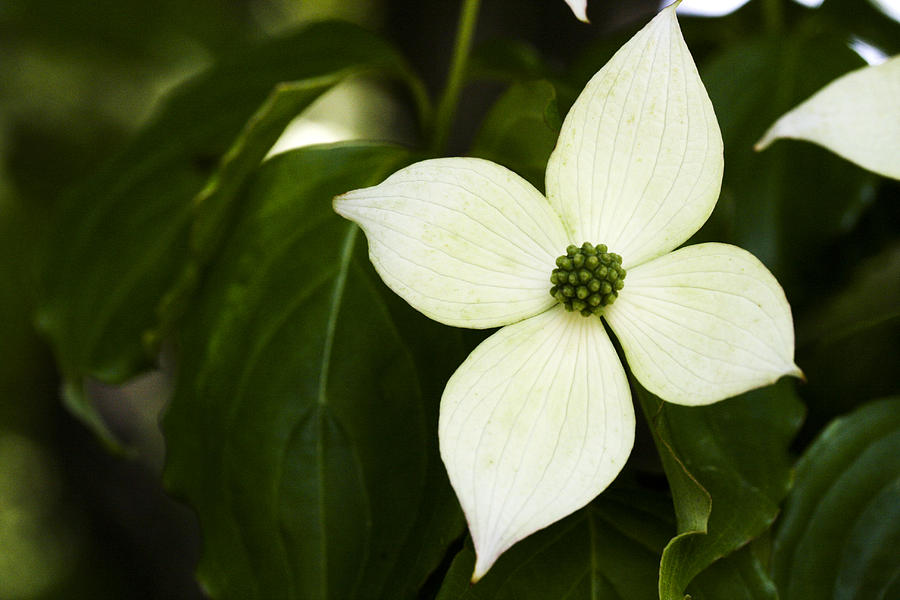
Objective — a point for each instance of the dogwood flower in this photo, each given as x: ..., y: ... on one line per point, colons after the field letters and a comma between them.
x: 538, y: 420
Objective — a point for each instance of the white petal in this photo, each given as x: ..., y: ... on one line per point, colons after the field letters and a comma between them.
x: 534, y: 424
x: 638, y: 164
x: 704, y: 323
x: 463, y: 240
x: 856, y: 116
x: 579, y: 7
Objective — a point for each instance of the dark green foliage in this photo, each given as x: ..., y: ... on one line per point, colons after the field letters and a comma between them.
x: 303, y: 428
x: 787, y: 203
x: 608, y: 550
x: 728, y: 468
x: 122, y: 237
x: 841, y: 527
x: 299, y: 429
x: 520, y: 130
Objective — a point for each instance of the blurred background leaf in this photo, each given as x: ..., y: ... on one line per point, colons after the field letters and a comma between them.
x: 119, y: 240
x: 508, y: 60
x: 849, y: 342
x: 520, y: 130
x: 214, y: 206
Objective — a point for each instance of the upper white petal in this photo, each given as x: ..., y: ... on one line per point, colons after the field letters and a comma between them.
x: 856, y: 116
x: 638, y: 164
x: 463, y: 240
x: 534, y: 424
x: 704, y: 323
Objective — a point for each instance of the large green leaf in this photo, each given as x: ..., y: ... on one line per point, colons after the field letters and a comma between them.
x: 608, y: 550
x: 299, y: 430
x: 841, y: 526
x: 788, y: 203
x: 520, y: 130
x: 728, y: 468
x: 118, y: 242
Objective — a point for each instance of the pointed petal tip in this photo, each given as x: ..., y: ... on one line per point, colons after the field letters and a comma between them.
x: 482, y: 566
x: 765, y: 141
x: 723, y: 325
x: 436, y: 228
x: 579, y: 9
x: 640, y: 200
x: 791, y: 370
x: 338, y: 201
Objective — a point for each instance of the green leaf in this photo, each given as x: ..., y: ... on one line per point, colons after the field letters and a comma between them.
x: 728, y: 469
x: 788, y: 203
x: 520, y: 130
x: 841, y: 525
x: 120, y: 240
x: 843, y: 339
x: 506, y: 60
x: 608, y: 550
x: 299, y: 430
x: 738, y: 576
x: 213, y: 205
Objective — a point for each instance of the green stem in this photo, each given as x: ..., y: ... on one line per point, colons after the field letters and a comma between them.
x: 446, y: 108
x: 773, y: 15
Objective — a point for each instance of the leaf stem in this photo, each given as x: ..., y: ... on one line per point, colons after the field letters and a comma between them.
x: 446, y: 108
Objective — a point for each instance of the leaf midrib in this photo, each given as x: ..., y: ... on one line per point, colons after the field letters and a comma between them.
x: 337, y: 297
x: 261, y: 342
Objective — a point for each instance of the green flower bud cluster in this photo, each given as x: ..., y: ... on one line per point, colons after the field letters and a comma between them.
x: 587, y: 278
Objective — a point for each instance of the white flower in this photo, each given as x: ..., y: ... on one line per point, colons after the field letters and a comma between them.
x: 856, y: 116
x: 538, y: 420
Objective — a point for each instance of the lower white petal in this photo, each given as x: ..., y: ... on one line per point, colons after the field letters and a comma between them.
x: 534, y: 424
x: 463, y: 240
x: 704, y: 323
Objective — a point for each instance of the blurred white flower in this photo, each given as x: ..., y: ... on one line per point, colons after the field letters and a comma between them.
x: 856, y: 116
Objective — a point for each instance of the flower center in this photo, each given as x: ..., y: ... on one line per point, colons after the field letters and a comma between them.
x: 587, y: 278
